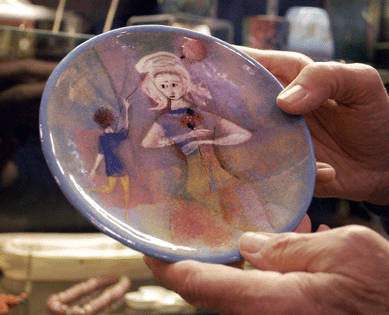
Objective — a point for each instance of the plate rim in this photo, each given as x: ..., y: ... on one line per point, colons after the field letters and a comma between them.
x: 83, y: 207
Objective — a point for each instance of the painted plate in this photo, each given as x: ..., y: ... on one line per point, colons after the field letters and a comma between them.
x: 171, y: 142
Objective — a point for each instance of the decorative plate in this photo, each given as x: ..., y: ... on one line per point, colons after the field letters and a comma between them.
x: 171, y: 142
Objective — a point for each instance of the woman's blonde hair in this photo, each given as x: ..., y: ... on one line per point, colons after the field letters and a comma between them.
x: 165, y: 62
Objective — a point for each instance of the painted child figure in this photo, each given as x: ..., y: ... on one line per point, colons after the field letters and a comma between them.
x: 109, y: 143
x: 195, y: 132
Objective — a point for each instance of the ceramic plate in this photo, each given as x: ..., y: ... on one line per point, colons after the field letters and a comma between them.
x: 171, y: 142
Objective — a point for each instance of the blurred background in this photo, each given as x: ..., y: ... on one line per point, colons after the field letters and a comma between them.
x: 35, y: 35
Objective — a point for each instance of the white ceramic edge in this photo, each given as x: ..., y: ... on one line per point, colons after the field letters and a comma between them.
x: 83, y: 207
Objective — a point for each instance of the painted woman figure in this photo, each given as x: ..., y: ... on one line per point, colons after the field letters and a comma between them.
x: 195, y: 131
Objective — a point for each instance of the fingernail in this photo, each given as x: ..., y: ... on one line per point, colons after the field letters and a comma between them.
x: 293, y: 94
x: 252, y: 242
x: 324, y: 172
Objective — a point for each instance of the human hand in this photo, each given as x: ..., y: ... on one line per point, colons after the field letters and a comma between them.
x: 340, y: 271
x: 346, y: 108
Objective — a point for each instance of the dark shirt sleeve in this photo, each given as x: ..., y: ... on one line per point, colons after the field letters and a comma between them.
x: 381, y: 211
x: 122, y: 134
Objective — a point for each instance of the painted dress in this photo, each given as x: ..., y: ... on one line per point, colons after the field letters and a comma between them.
x: 207, y: 182
x: 109, y: 143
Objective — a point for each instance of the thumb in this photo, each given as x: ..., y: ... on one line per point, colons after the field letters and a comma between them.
x: 320, y: 81
x: 288, y: 252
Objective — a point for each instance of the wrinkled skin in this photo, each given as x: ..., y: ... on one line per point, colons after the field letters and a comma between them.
x: 339, y: 271
x: 346, y: 108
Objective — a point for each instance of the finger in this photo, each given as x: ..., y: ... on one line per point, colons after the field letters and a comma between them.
x: 323, y: 227
x: 233, y: 291
x: 277, y: 61
x: 228, y: 290
x: 195, y: 275
x: 324, y: 172
x: 305, y: 225
x: 321, y: 81
x: 315, y: 252
x: 263, y: 250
